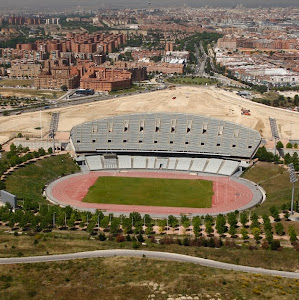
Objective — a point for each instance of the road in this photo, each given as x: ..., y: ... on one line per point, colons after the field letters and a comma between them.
x: 81, y: 100
x: 201, y: 61
x: 149, y: 254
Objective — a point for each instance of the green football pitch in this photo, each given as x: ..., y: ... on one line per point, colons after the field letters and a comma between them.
x: 151, y: 191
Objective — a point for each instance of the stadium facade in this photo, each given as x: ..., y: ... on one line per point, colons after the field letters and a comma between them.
x: 172, y: 141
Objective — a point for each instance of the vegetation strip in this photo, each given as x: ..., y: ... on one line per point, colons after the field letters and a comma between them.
x: 152, y: 254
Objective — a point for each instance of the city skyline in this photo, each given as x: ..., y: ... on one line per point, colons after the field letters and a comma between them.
x: 23, y: 4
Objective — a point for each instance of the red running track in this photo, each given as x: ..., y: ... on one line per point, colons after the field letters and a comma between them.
x: 228, y: 195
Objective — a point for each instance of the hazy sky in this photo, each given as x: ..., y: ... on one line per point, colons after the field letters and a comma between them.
x: 141, y: 3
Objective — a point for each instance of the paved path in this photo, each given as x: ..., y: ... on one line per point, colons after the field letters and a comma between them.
x: 151, y: 254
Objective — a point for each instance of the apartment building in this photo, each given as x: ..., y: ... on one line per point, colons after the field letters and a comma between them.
x: 104, y: 79
x: 25, y: 70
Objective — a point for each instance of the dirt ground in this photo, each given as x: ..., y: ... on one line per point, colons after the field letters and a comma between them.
x: 208, y: 101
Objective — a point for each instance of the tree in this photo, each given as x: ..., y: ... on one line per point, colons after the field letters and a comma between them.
x: 138, y: 227
x: 244, y: 233
x: 50, y: 150
x: 274, y: 212
x: 267, y: 223
x: 289, y: 145
x: 292, y: 234
x: 41, y: 151
x: 104, y: 222
x: 220, y: 224
x: 256, y: 233
x: 279, y: 145
x: 90, y: 227
x: 162, y: 223
x: 269, y: 236
x: 254, y: 221
x: 114, y: 227
x: 172, y: 221
x: 185, y: 221
x: 232, y: 219
x: 2, y: 185
x: 263, y: 155
x: 209, y: 228
x: 64, y: 88
x: 232, y: 231
x: 149, y: 229
x: 196, y: 221
x: 135, y: 216
x: 279, y: 228
x: 127, y: 225
x: 147, y: 219
x: 287, y: 215
x: 295, y: 146
x: 243, y: 218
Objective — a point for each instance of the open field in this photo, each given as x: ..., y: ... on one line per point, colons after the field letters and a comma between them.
x: 192, y: 80
x: 137, y: 278
x: 151, y: 191
x: 133, y: 89
x: 16, y: 82
x: 208, y: 101
x: 28, y: 182
x: 58, y: 242
x: 30, y: 93
x: 276, y: 182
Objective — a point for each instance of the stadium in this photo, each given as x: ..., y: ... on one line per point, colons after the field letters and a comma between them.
x: 161, y: 146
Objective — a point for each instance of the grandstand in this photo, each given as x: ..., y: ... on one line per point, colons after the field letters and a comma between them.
x: 202, y: 165
x: 164, y: 141
x: 165, y: 133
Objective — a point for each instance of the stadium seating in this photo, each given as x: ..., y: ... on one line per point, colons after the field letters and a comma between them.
x: 229, y: 167
x: 94, y: 162
x: 161, y: 163
x: 213, y: 165
x: 204, y: 165
x: 172, y: 161
x: 183, y: 163
x: 139, y: 162
x: 198, y: 164
x: 151, y: 162
x: 124, y: 162
x: 165, y: 133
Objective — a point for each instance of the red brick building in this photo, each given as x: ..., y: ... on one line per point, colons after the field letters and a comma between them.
x: 53, y: 77
x: 103, y: 79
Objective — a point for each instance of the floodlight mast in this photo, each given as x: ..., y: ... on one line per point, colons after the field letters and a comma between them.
x: 293, y: 179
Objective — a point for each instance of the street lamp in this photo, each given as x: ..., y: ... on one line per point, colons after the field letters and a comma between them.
x: 54, y: 219
x: 293, y: 179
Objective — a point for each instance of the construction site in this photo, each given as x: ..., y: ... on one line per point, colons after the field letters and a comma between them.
x: 40, y: 127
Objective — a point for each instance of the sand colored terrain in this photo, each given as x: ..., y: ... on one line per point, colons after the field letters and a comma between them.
x: 208, y: 101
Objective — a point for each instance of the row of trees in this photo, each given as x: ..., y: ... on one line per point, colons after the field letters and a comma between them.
x: 18, y: 155
x: 289, y: 145
x: 36, y: 217
x: 263, y: 155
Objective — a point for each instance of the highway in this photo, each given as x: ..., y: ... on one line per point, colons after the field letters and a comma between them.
x: 149, y: 254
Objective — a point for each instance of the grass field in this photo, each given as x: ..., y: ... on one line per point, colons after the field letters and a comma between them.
x: 151, y: 191
x: 192, y: 80
x: 30, y: 93
x: 28, y: 182
x: 276, y: 182
x: 119, y: 278
x: 16, y: 82
x: 132, y: 89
